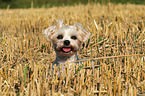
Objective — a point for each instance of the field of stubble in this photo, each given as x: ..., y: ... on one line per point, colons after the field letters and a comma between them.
x: 117, y: 42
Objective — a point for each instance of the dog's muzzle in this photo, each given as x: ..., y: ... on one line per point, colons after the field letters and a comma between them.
x: 66, y: 42
x: 67, y: 48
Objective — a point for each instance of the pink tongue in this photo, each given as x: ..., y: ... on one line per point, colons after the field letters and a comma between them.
x: 66, y: 49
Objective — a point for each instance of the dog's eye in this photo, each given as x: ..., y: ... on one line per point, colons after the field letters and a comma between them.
x: 59, y: 37
x: 73, y: 37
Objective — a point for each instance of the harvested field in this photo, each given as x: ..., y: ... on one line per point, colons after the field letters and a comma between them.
x: 117, y: 42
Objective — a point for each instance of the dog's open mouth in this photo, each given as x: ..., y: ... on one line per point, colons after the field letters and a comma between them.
x: 67, y: 49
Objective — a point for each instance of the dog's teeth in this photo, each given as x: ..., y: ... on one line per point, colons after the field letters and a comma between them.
x: 66, y: 49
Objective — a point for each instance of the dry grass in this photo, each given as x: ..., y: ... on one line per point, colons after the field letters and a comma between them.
x: 118, y: 42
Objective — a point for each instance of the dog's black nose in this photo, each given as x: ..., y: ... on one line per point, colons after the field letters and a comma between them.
x: 66, y: 42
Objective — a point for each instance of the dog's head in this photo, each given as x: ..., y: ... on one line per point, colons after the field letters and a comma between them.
x: 66, y: 39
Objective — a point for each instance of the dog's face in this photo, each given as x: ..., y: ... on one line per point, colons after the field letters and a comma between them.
x: 66, y: 39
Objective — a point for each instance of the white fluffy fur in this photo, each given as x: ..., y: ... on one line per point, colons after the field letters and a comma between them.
x: 67, y: 31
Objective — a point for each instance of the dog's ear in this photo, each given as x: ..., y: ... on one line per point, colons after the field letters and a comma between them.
x: 47, y: 32
x: 50, y: 30
x: 84, y: 33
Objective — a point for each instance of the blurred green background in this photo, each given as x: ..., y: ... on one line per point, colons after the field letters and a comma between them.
x: 51, y: 3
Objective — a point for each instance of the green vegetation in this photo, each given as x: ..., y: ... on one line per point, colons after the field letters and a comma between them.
x: 50, y: 3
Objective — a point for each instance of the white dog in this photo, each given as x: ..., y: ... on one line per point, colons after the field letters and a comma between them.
x: 66, y: 40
